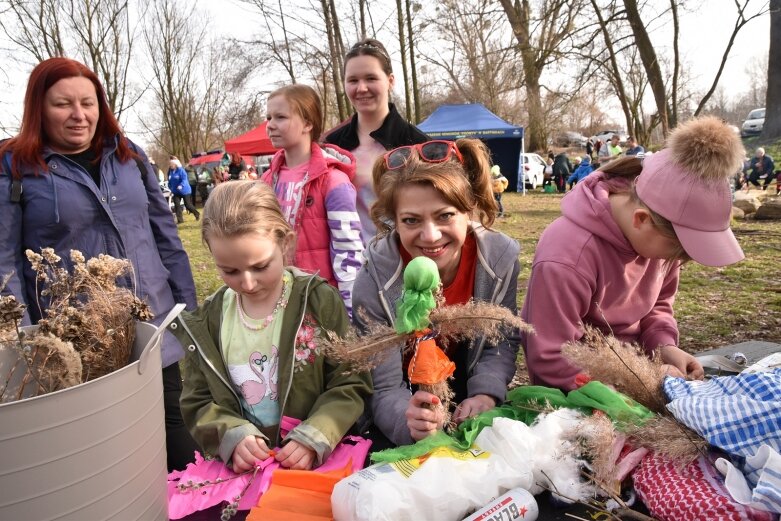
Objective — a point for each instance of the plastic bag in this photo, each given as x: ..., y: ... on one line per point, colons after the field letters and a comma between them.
x: 449, y: 484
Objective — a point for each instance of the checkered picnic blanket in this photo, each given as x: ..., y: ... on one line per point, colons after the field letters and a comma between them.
x: 737, y: 414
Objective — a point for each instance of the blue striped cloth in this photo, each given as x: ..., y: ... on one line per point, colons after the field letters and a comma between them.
x: 759, y: 484
x: 737, y: 414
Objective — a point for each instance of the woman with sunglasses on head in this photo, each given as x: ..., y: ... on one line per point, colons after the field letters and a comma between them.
x: 435, y: 200
x: 376, y: 127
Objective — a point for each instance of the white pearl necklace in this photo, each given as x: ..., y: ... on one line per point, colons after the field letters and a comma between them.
x: 281, y: 303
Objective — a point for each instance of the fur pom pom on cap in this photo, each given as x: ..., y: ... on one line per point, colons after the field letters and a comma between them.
x: 687, y: 183
x: 707, y: 148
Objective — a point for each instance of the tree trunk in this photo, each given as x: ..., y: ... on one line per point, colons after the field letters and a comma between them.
x: 614, y: 71
x: 535, y: 129
x: 651, y: 64
x: 338, y: 61
x: 413, y: 71
x: 403, y: 45
x: 288, y: 58
x: 676, y: 63
x: 362, y: 9
x: 554, y: 25
x: 336, y: 73
x: 772, y: 127
x: 519, y: 16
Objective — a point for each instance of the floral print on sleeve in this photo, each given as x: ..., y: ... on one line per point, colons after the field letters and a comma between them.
x: 306, y: 344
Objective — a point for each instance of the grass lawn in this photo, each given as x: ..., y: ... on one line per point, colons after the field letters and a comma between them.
x: 714, y: 307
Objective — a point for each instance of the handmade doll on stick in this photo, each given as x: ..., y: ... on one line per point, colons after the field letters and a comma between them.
x: 420, y: 321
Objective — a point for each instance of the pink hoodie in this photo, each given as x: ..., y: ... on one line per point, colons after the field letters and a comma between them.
x: 586, y: 272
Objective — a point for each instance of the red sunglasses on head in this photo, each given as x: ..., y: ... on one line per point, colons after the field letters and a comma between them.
x: 430, y: 152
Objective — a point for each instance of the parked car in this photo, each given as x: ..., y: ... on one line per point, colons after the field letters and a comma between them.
x: 570, y: 139
x: 605, y: 136
x: 754, y: 123
x: 533, y: 167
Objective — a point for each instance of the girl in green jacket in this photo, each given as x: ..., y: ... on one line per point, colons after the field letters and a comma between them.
x: 253, y: 348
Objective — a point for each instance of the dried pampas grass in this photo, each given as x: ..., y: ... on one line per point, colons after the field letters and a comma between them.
x: 446, y: 395
x: 665, y: 436
x: 627, y: 368
x: 596, y: 435
x: 473, y: 319
x: 377, y: 340
x: 624, y: 366
x: 367, y: 351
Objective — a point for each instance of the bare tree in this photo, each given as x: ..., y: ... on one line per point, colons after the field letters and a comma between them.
x: 626, y: 30
x: 741, y: 20
x: 96, y: 32
x: 403, y: 46
x: 199, y: 84
x: 618, y: 62
x: 650, y: 61
x: 294, y: 36
x: 411, y: 50
x: 542, y: 39
x: 772, y: 127
x: 35, y: 27
x: 477, y: 52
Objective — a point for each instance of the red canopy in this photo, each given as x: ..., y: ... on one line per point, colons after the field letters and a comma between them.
x: 208, y: 158
x: 253, y: 143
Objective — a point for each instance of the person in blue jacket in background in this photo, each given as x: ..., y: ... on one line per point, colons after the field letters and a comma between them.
x: 581, y: 171
x: 180, y: 187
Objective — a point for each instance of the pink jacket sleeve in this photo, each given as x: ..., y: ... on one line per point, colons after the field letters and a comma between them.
x: 556, y: 300
x: 659, y: 327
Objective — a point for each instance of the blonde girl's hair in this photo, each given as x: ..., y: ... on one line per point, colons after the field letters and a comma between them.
x: 620, y: 175
x: 467, y: 186
x: 242, y: 207
x: 305, y: 101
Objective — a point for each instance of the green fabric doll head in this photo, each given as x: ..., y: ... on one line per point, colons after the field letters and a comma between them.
x: 421, y: 279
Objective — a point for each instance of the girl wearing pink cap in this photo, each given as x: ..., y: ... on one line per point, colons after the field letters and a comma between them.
x: 612, y: 260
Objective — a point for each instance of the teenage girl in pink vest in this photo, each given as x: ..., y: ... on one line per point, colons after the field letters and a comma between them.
x: 313, y: 184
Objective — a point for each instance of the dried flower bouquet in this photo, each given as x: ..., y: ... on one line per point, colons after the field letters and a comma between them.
x: 87, y: 329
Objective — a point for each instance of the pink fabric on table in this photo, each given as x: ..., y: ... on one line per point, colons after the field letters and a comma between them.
x: 181, y: 504
x: 693, y: 493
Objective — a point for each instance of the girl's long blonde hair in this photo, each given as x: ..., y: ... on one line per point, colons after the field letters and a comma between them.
x: 240, y: 207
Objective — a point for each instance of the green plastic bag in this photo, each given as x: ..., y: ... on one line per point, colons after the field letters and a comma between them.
x: 549, y: 189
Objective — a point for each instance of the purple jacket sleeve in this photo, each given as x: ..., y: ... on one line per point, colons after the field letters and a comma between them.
x: 345, y: 227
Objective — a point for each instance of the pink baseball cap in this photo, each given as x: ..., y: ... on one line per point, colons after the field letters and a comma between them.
x: 699, y: 207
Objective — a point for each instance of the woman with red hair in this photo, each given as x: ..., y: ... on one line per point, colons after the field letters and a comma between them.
x: 71, y: 180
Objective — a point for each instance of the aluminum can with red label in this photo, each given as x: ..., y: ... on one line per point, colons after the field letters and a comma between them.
x: 516, y: 504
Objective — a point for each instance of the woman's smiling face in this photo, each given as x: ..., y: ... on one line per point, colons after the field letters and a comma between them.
x: 428, y: 225
x: 366, y: 84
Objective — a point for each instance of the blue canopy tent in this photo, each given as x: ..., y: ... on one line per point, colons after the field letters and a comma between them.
x: 473, y: 120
